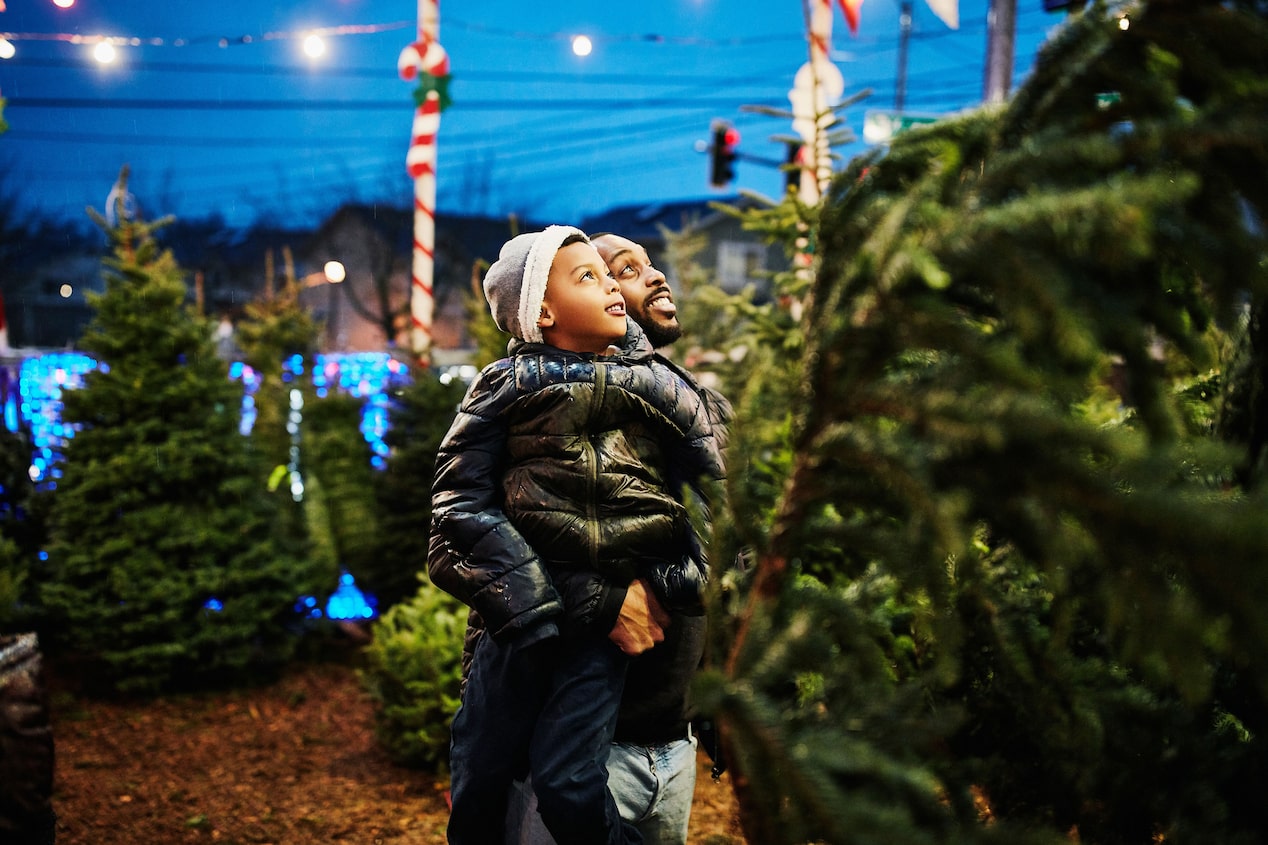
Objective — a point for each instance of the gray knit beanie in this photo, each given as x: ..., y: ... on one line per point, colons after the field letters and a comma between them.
x: 515, y: 284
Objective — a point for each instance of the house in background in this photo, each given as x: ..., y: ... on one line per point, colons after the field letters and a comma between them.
x: 47, y: 306
x: 370, y: 308
x: 226, y: 268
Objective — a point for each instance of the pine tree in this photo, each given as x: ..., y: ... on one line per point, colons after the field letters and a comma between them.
x: 22, y: 533
x: 278, y: 339
x: 163, y: 569
x: 339, y: 489
x: 1041, y: 603
x: 420, y: 415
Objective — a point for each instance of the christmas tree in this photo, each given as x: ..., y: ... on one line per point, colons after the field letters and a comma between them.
x: 278, y: 339
x: 420, y: 414
x: 1012, y: 585
x: 163, y: 567
x: 339, y: 489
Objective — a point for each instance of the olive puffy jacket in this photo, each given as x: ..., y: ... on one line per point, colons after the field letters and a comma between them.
x: 560, y: 481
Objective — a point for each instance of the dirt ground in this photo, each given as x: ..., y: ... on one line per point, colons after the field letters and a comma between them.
x: 294, y: 762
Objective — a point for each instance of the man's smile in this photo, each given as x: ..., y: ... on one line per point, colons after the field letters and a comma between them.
x: 662, y: 302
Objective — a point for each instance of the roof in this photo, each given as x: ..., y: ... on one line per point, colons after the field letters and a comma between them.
x: 479, y: 237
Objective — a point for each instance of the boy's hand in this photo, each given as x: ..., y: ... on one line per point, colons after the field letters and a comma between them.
x: 642, y: 621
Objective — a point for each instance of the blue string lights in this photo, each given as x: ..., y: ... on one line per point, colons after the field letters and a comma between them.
x: 36, y: 406
x: 41, y: 382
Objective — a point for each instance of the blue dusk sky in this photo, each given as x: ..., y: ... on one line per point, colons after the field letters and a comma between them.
x: 218, y: 111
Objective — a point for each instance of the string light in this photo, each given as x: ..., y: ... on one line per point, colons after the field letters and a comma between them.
x: 369, y: 376
x: 368, y: 29
x: 219, y: 40
x: 104, y: 52
x: 314, y: 46
x: 334, y: 272
x: 582, y: 46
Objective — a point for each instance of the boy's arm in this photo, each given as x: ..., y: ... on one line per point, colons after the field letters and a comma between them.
x: 475, y: 553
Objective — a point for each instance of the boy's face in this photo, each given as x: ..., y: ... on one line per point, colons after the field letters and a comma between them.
x: 583, y: 310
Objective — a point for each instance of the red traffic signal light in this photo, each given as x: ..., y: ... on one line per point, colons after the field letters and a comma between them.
x: 722, y: 154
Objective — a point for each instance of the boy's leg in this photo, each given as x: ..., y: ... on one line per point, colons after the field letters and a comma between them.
x: 491, y: 733
x: 570, y: 747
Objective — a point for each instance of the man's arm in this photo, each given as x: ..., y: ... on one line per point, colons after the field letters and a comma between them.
x: 642, y: 621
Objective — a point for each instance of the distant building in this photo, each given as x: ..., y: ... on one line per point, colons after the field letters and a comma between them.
x: 374, y: 243
x: 227, y: 269
x: 47, y: 307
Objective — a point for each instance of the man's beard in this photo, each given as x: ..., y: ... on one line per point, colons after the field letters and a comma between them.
x: 661, y: 334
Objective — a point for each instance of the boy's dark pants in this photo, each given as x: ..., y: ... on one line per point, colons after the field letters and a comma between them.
x: 548, y: 708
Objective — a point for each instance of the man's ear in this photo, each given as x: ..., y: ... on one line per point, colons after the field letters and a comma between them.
x: 546, y: 319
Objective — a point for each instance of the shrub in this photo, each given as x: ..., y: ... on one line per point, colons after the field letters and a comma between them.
x: 413, y: 675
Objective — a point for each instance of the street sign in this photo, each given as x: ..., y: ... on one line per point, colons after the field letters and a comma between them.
x: 880, y: 126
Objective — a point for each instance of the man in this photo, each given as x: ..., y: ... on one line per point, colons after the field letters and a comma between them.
x: 652, y: 762
x: 648, y: 299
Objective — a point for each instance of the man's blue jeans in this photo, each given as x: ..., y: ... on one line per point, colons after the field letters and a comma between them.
x: 653, y: 786
x: 547, y: 709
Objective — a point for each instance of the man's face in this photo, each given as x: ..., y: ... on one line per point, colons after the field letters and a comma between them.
x: 648, y: 299
x: 582, y: 310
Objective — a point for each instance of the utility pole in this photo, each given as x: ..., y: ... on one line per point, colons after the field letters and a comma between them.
x: 1001, y: 27
x: 904, y: 36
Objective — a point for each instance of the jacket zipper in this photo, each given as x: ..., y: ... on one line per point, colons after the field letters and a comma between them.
x: 592, y: 493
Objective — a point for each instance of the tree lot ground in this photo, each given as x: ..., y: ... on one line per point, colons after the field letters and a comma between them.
x: 292, y: 762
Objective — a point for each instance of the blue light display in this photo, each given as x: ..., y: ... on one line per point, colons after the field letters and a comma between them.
x: 348, y: 602
x: 42, y: 380
x: 371, y: 376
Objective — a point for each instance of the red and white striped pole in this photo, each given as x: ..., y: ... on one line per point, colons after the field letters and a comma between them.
x: 426, y: 57
x: 816, y: 82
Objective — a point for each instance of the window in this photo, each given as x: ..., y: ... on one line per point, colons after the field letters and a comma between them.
x: 740, y: 265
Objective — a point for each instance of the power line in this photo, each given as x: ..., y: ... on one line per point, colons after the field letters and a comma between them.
x: 387, y: 74
x: 149, y: 139
x: 567, y: 104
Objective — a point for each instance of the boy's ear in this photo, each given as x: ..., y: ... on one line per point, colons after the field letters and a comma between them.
x: 546, y: 319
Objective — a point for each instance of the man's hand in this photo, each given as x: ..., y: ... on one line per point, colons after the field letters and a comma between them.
x: 642, y: 621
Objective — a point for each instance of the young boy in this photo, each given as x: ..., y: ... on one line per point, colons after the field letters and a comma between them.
x: 556, y: 503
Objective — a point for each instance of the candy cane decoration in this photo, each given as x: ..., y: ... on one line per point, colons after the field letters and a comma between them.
x: 817, y: 82
x: 426, y: 60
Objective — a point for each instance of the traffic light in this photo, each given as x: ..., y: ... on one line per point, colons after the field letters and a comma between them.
x: 722, y: 154
x: 793, y: 166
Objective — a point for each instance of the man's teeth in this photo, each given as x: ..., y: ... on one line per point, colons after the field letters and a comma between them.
x: 663, y: 304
